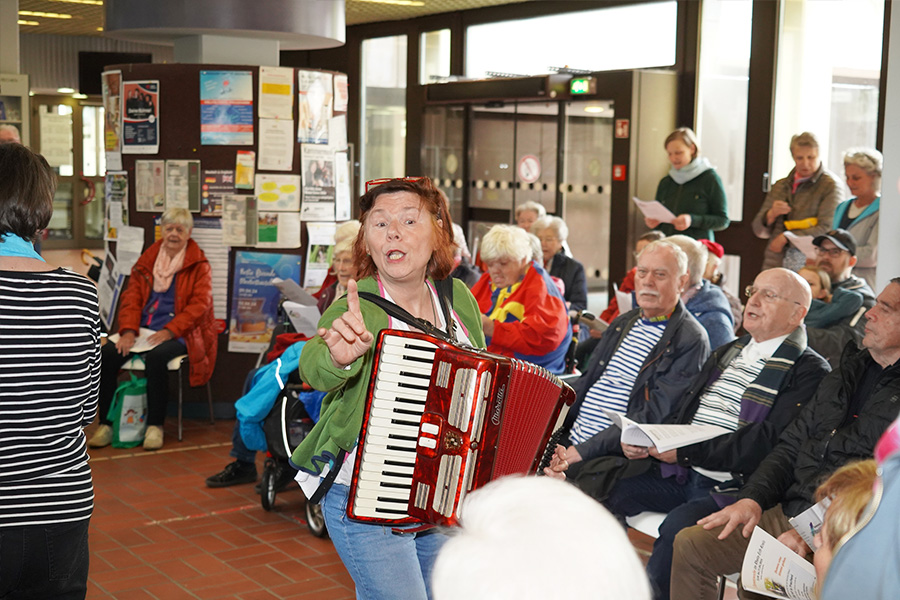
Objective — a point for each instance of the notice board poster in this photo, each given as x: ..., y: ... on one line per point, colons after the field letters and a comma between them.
x: 140, y: 128
x: 226, y: 108
x: 254, y: 298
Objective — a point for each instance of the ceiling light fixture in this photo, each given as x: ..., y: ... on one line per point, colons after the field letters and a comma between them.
x: 65, y: 90
x: 396, y: 2
x: 79, y: 96
x: 46, y: 15
x: 91, y: 2
x: 594, y: 109
x: 21, y: 22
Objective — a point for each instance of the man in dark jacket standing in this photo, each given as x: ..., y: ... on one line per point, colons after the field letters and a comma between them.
x: 853, y: 406
x: 754, y: 387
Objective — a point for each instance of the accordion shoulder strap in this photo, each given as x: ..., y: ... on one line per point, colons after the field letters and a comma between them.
x: 326, y: 482
x: 421, y: 324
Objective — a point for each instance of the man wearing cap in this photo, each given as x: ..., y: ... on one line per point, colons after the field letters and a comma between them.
x: 836, y: 255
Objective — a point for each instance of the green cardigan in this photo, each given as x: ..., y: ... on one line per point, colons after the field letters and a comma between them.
x: 341, y: 416
x: 703, y: 197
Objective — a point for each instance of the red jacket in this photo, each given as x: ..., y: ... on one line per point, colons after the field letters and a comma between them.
x: 194, y: 320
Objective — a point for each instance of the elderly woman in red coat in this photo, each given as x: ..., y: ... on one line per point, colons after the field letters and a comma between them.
x: 168, y: 303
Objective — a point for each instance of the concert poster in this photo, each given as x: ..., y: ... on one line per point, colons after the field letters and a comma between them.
x: 140, y: 129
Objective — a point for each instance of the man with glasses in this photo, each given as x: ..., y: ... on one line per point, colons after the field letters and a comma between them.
x: 753, y: 387
x: 643, y: 365
x: 852, y: 407
x: 836, y: 255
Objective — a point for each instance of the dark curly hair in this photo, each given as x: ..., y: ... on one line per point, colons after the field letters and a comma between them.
x: 27, y: 185
x: 433, y: 201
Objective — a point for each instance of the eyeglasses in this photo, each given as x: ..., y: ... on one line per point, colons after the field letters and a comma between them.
x: 832, y: 252
x: 767, y: 295
x: 377, y: 182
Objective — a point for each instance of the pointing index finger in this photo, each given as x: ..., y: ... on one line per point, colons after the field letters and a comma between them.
x: 353, y: 298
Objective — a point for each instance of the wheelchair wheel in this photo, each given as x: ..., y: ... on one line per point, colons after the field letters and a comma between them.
x: 315, y: 520
x: 267, y: 489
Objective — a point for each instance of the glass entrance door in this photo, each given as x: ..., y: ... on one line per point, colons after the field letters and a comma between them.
x: 69, y: 133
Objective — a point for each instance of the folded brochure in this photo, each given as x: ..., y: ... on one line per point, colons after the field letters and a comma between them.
x: 664, y: 437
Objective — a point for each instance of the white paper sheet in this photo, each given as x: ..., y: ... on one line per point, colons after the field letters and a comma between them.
x: 653, y: 209
x: 278, y: 192
x: 141, y: 344
x: 278, y: 230
x: 772, y: 569
x: 623, y: 299
x: 803, y: 243
x: 664, y: 437
x: 276, y: 145
x: 276, y: 93
x: 129, y: 247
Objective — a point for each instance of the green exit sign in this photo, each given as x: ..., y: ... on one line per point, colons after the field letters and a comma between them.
x: 583, y: 85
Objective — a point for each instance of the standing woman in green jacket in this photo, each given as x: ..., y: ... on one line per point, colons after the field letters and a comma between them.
x: 692, y: 190
x: 404, y: 244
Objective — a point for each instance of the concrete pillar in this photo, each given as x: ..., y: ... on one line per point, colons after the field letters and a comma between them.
x: 9, y: 36
x: 888, y: 238
x: 218, y: 49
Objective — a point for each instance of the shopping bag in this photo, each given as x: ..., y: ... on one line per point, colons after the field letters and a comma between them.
x: 128, y: 413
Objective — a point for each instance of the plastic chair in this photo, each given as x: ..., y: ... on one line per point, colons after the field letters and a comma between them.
x: 136, y: 363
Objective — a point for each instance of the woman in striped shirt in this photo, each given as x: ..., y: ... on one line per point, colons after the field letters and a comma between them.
x: 49, y: 384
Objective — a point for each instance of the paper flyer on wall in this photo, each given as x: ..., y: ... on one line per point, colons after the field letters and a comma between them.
x: 245, y: 169
x: 226, y: 108
x: 140, y: 123
x: 208, y: 235
x: 278, y: 230
x: 319, y: 253
x: 276, y: 145
x: 129, y: 245
x: 278, y: 192
x: 150, y: 185
x: 337, y: 133
x: 317, y: 164
x: 254, y: 304
x: 772, y: 569
x: 109, y: 286
x: 239, y: 220
x: 183, y: 184
x: 342, y: 192
x: 664, y: 437
x: 341, y: 93
x: 111, y: 82
x: 216, y: 184
x: 115, y: 191
x: 276, y: 93
x: 314, y: 106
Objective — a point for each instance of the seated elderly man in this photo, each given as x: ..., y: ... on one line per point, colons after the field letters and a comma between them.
x: 851, y: 408
x: 836, y: 255
x: 523, y: 312
x: 705, y: 301
x: 644, y: 363
x: 753, y: 387
x: 552, y: 233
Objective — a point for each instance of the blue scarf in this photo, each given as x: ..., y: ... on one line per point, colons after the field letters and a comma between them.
x: 693, y: 169
x: 13, y: 245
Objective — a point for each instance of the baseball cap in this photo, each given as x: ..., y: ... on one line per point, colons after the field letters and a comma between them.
x: 841, y: 238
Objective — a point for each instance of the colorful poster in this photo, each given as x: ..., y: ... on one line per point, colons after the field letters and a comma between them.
x: 109, y: 286
x: 244, y: 170
x: 314, y: 106
x: 226, y: 108
x: 278, y: 230
x: 320, y: 237
x: 278, y: 192
x: 112, y: 113
x: 254, y: 298
x: 318, y: 183
x: 140, y: 129
x: 183, y: 184
x: 276, y: 93
x: 116, y: 207
x: 150, y: 185
x: 342, y: 189
x: 217, y: 183
x: 341, y: 93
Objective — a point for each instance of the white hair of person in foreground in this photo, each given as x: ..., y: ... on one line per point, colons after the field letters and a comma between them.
x: 513, y: 532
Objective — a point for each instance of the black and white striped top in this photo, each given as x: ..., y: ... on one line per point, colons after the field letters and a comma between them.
x: 49, y: 387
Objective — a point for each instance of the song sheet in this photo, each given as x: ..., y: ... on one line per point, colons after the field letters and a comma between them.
x: 653, y: 209
x: 772, y: 569
x: 664, y: 437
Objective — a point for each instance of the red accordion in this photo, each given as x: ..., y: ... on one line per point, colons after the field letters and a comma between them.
x: 442, y: 420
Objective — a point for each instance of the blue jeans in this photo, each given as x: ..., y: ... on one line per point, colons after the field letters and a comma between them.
x: 44, y: 561
x: 685, y: 503
x: 239, y: 449
x: 384, y: 565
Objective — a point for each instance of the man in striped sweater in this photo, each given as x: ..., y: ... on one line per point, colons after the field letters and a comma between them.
x: 753, y: 387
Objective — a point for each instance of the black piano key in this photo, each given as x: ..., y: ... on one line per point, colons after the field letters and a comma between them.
x: 410, y: 401
x: 426, y: 361
x: 395, y: 474
x: 412, y: 386
x: 403, y: 411
x: 394, y: 500
x: 389, y: 511
x: 400, y: 449
x: 399, y: 486
x: 399, y: 463
x: 406, y: 423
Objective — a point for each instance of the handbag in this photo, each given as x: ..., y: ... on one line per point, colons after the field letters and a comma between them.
x: 128, y: 413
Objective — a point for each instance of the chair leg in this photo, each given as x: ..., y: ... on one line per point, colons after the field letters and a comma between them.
x: 721, y: 583
x: 212, y: 414
x: 180, y: 400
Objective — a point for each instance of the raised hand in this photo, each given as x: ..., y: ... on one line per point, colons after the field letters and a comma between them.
x: 348, y: 338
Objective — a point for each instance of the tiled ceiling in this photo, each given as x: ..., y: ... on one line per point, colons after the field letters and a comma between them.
x: 87, y: 16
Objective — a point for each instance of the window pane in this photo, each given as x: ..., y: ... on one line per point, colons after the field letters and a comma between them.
x: 722, y: 97
x: 434, y: 56
x: 383, y: 90
x: 56, y: 137
x: 626, y: 37
x: 829, y: 68
x: 92, y: 145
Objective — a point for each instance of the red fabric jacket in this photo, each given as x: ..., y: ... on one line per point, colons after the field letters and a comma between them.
x: 194, y: 320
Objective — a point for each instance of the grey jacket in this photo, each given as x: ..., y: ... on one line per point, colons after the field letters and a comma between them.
x: 865, y: 231
x: 664, y: 377
x: 816, y: 197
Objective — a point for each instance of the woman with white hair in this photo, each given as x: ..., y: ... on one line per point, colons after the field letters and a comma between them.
x: 553, y: 232
x: 859, y: 215
x: 523, y: 312
x: 529, y: 212
x: 341, y: 263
